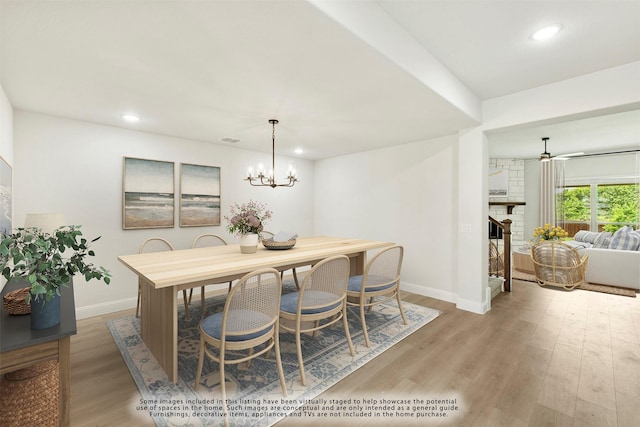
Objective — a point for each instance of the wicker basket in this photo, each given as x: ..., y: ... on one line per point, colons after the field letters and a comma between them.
x: 270, y: 244
x: 14, y: 302
x: 31, y: 396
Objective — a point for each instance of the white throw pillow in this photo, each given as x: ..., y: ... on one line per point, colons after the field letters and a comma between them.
x: 603, y: 240
x: 625, y: 239
x: 586, y: 236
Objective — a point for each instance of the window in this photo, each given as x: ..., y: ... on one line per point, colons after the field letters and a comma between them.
x: 615, y: 205
x: 577, y: 209
x: 618, y: 206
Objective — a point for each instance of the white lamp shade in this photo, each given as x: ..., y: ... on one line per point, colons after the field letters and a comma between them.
x: 47, y: 222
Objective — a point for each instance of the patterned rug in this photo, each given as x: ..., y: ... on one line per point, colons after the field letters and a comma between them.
x: 254, y: 393
x: 519, y: 275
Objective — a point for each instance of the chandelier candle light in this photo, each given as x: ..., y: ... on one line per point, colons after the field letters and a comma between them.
x: 261, y: 180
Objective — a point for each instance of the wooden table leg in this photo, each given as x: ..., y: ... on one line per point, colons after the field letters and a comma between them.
x: 358, y: 263
x: 159, y: 326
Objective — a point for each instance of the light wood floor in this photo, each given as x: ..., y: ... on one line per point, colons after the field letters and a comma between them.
x: 540, y: 357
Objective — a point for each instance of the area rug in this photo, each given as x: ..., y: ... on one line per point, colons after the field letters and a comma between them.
x: 519, y: 275
x: 254, y: 393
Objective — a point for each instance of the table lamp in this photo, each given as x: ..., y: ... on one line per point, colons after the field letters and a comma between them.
x: 47, y: 222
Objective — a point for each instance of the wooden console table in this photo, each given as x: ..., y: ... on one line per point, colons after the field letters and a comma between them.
x: 21, y: 346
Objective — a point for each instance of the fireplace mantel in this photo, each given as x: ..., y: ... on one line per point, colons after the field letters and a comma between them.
x: 509, y: 205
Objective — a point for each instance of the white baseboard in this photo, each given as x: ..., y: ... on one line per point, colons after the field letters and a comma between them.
x: 105, y: 308
x: 123, y: 304
x: 429, y: 292
x: 473, y: 306
x: 462, y: 304
x: 128, y: 303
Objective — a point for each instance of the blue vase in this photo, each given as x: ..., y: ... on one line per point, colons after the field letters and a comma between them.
x: 45, y: 314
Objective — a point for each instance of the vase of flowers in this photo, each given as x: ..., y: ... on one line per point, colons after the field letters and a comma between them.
x: 547, y: 232
x: 247, y: 220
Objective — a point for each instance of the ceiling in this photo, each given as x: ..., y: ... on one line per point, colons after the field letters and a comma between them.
x: 210, y: 70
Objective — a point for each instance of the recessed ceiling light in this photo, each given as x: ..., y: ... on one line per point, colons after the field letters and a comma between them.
x: 546, y: 32
x: 131, y: 118
x: 231, y: 140
x: 298, y: 151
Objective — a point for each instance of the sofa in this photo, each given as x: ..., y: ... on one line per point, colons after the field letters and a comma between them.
x: 614, y: 260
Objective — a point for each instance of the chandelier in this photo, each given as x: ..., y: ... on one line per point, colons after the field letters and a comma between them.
x: 262, y: 180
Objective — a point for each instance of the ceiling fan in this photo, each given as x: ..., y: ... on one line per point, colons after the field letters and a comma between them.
x: 547, y: 156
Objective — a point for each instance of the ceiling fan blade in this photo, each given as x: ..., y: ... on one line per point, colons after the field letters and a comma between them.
x: 569, y: 155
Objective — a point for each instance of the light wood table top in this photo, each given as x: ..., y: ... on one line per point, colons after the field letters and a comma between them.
x: 202, y: 265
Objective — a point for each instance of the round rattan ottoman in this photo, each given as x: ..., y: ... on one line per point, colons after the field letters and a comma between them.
x: 30, y: 396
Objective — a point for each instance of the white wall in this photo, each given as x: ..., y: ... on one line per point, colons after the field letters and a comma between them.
x: 6, y: 128
x: 566, y: 100
x: 404, y: 194
x: 74, y: 167
x: 472, y: 231
x: 6, y: 138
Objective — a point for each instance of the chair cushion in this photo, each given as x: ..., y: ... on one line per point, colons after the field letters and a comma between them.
x: 212, y: 325
x: 625, y: 239
x: 289, y: 302
x: 355, y: 283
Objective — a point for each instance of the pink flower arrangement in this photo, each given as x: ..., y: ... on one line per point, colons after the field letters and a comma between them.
x: 247, y: 218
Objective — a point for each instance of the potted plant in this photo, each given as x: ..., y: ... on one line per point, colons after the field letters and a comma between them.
x: 47, y: 261
x: 247, y: 220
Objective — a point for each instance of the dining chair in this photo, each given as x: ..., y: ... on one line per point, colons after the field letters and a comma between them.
x: 322, y: 297
x: 156, y: 244
x: 379, y: 283
x: 558, y: 264
x: 265, y: 235
x: 205, y: 241
x: 250, y: 319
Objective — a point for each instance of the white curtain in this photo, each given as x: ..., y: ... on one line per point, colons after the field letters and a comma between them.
x: 552, y: 184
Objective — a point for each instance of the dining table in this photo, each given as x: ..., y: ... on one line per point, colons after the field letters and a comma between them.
x: 162, y: 275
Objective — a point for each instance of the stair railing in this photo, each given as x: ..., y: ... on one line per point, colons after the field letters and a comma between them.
x: 500, y: 231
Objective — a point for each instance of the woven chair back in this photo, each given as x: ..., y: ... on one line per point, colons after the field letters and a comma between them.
x: 207, y: 241
x: 253, y: 303
x: 155, y: 244
x: 386, y: 263
x: 326, y: 283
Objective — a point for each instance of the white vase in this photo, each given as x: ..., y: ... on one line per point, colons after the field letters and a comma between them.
x: 249, y: 243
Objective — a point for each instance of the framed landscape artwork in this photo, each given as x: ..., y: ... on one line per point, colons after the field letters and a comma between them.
x: 148, y: 194
x: 6, y: 196
x: 199, y: 195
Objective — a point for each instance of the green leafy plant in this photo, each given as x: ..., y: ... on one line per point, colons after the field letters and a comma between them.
x: 48, y: 261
